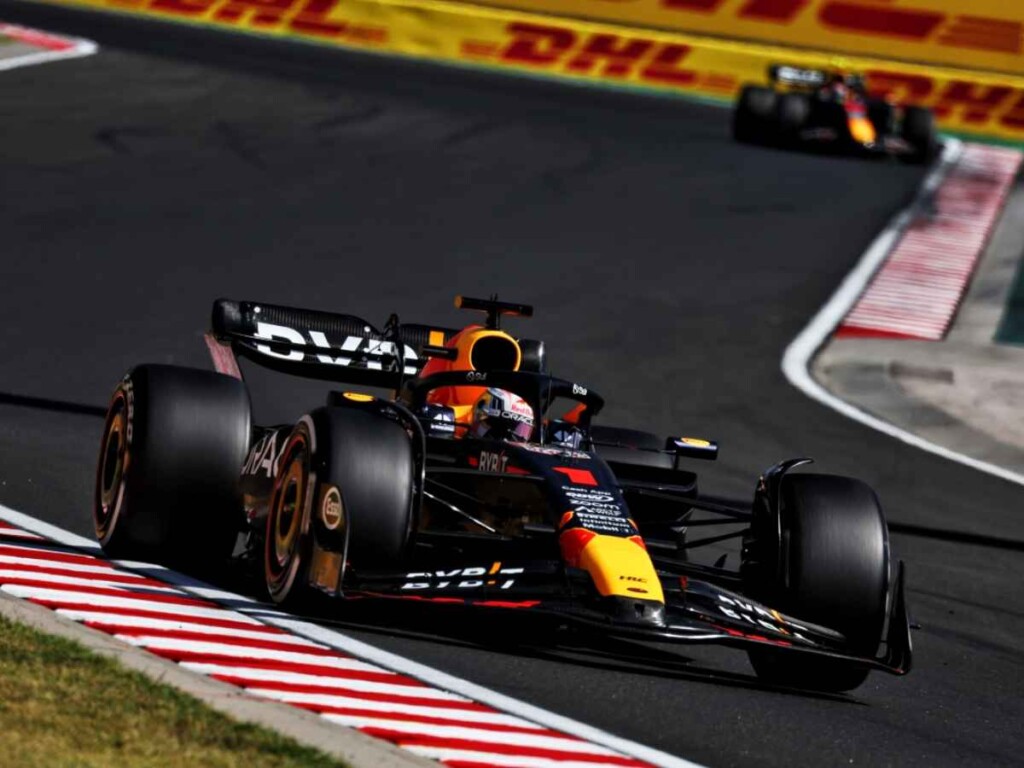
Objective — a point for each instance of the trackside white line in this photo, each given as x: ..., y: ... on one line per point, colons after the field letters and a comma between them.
x: 483, y: 695
x: 52, y: 532
x: 396, y: 663
x: 84, y: 48
x: 797, y: 358
x: 46, y: 547
x: 13, y: 533
x: 545, y: 741
x: 446, y: 754
x: 79, y: 48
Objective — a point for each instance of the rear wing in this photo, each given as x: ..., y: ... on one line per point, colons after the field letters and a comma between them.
x: 334, y: 347
x: 798, y: 77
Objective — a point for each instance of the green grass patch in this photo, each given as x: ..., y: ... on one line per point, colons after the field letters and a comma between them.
x: 62, y: 705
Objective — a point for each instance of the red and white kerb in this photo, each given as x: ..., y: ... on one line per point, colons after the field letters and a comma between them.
x: 916, y: 293
x: 270, y: 662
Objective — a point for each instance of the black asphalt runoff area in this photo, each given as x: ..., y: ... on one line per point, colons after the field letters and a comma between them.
x: 669, y: 268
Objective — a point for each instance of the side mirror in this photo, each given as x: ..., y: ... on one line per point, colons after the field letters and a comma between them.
x: 692, y: 448
x: 445, y: 353
x: 437, y: 420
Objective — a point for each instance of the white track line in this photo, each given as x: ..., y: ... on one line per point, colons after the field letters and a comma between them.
x: 10, y: 532
x: 77, y: 48
x: 797, y: 358
x: 484, y: 695
x: 517, y: 710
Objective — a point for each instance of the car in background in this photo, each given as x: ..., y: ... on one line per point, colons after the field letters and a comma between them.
x: 832, y: 109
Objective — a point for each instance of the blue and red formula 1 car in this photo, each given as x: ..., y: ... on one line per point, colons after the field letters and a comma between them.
x: 833, y: 110
x: 482, y: 480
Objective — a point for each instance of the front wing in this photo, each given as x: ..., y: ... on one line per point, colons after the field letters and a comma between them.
x: 886, y: 145
x: 696, y: 611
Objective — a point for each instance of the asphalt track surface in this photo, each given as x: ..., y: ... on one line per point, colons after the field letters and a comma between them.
x: 669, y: 268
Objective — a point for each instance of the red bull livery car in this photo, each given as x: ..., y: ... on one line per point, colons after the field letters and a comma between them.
x: 831, y: 109
x: 482, y: 480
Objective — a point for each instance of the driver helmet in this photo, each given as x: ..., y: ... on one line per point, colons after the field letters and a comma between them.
x: 502, y: 415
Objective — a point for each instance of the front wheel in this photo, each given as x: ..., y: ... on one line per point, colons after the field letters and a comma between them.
x: 792, y: 115
x: 834, y: 562
x: 918, y: 130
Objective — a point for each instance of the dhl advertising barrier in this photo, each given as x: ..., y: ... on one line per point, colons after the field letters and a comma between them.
x: 972, y: 34
x: 590, y: 52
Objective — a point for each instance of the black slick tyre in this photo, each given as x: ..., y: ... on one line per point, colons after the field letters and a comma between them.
x: 753, y: 119
x: 882, y: 116
x: 918, y: 130
x: 287, y: 542
x: 835, y: 572
x: 367, y: 461
x: 174, y: 442
x: 793, y: 110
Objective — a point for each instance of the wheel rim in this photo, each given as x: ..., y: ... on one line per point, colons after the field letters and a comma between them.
x: 111, y: 473
x: 288, y: 514
x: 283, y: 549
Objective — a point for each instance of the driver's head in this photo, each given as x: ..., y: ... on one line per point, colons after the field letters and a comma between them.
x: 502, y: 415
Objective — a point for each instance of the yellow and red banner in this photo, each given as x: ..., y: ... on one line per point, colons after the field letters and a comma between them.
x: 973, y: 34
x: 589, y: 52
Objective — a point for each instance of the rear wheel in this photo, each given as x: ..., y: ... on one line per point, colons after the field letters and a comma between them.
x: 174, y: 442
x: 753, y: 120
x: 346, y: 479
x: 792, y: 113
x: 834, y: 572
x: 287, y: 543
x: 882, y: 116
x: 918, y: 130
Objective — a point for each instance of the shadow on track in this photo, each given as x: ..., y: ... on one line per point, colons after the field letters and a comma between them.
x: 56, y: 406
x: 544, y: 640
x: 513, y: 634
